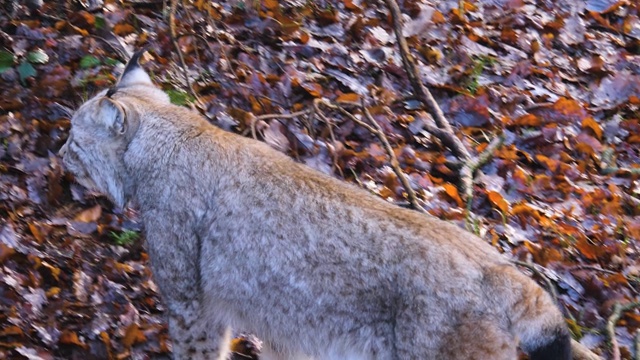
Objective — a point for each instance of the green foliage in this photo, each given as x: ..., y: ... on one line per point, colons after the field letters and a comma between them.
x: 111, y: 61
x: 125, y: 238
x: 479, y: 64
x: 100, y: 22
x: 26, y: 70
x: 179, y: 97
x: 6, y: 61
x: 89, y: 61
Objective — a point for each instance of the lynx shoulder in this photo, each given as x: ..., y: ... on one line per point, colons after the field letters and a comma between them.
x: 240, y: 236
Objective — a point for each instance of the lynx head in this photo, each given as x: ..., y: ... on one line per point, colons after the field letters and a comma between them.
x: 102, y: 128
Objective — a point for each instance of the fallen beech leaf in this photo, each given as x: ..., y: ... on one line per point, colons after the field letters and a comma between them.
x: 527, y: 120
x: 271, y: 4
x: 53, y: 292
x: 498, y: 201
x: 55, y: 272
x: 133, y: 335
x: 590, y: 123
x: 11, y: 330
x: 5, y: 252
x: 452, y: 191
x: 36, y: 233
x: 587, y: 249
x: 123, y: 29
x: 69, y: 337
x: 313, y: 89
x: 551, y: 164
x: 89, y: 215
x: 348, y: 97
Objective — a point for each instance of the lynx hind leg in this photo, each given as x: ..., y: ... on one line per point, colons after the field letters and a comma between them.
x: 478, y: 340
x: 196, y: 337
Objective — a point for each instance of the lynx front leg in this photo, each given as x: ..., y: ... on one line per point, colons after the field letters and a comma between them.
x: 196, y: 332
x: 196, y: 337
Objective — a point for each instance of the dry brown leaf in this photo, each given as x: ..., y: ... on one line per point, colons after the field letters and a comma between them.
x: 89, y: 215
x: 498, y: 201
x: 69, y: 337
x: 452, y: 191
x: 133, y: 335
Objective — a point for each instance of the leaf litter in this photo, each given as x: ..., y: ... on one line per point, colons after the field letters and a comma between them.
x: 559, y: 79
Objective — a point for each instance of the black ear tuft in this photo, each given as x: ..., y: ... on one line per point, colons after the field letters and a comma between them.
x: 134, y: 73
x: 134, y: 61
x: 112, y: 90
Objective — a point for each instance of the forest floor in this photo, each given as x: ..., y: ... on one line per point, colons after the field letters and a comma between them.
x: 559, y: 81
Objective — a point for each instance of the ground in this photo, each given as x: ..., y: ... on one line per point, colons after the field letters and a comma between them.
x: 558, y: 80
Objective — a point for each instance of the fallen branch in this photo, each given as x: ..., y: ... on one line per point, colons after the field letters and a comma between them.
x: 471, y: 165
x: 538, y: 273
x: 420, y: 91
x: 374, y: 128
x: 442, y: 129
x: 618, y: 310
x: 173, y: 7
x: 581, y: 352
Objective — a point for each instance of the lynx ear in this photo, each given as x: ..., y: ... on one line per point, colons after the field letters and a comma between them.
x: 112, y: 115
x: 133, y: 73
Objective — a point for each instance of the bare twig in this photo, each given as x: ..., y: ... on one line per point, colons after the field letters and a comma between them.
x: 471, y: 165
x: 581, y: 352
x: 256, y: 119
x: 534, y: 269
x: 173, y: 7
x: 618, y: 310
x: 411, y: 195
x: 375, y: 129
x: 419, y: 90
x: 591, y: 267
x: 283, y: 116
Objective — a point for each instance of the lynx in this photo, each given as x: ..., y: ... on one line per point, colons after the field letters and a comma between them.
x: 241, y: 236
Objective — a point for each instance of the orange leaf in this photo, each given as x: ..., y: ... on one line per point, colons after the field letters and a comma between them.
x: 527, y: 120
x: 498, y: 201
x: 348, y: 97
x: 507, y: 153
x: 11, y: 330
x: 452, y: 191
x: 271, y: 4
x: 133, y: 335
x: 107, y: 343
x: 634, y: 139
x: 304, y: 37
x: 90, y: 215
x: 69, y: 337
x: 551, y: 164
x: 587, y: 249
x: 5, y: 252
x: 593, y: 125
x: 349, y: 5
x: 36, y: 233
x: 568, y: 107
x: 438, y: 18
x: 55, y: 272
x: 123, y: 29
x: 53, y: 292
x: 314, y: 89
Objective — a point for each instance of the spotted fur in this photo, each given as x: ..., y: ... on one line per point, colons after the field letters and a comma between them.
x: 240, y: 236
